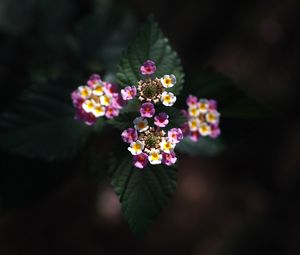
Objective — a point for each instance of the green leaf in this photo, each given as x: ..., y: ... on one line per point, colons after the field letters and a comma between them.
x: 150, y: 43
x: 142, y: 192
x: 41, y: 124
x: 205, y: 146
x: 123, y: 121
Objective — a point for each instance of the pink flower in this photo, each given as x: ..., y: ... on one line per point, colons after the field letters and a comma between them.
x: 212, y: 104
x: 110, y: 88
x: 129, y: 135
x: 169, y: 158
x: 161, y: 120
x: 94, y: 80
x: 175, y: 135
x: 148, y: 67
x: 76, y: 99
x: 128, y: 92
x: 117, y: 101
x: 147, y: 110
x: 191, y: 100
x: 194, y: 136
x: 111, y: 112
x: 140, y: 160
x: 215, y: 131
x: 88, y: 118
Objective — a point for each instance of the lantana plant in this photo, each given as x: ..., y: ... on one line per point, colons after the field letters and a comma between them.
x: 141, y: 124
x: 148, y: 140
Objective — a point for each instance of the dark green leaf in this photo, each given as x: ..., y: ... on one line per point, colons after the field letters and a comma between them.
x: 41, y: 124
x: 204, y: 146
x: 150, y: 43
x: 142, y: 192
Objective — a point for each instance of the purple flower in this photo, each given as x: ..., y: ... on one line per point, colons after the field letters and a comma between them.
x: 140, y: 160
x: 169, y: 158
x: 175, y: 135
x: 110, y: 88
x: 111, y: 112
x: 147, y: 110
x: 215, y: 131
x: 117, y: 101
x: 129, y: 135
x: 161, y: 120
x: 94, y: 80
x: 212, y: 104
x: 128, y: 92
x: 88, y: 118
x: 148, y: 67
x: 76, y: 99
x: 191, y: 100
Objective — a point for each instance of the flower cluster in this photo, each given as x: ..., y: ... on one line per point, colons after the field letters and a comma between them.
x: 152, y: 90
x: 95, y: 99
x: 149, y: 143
x: 203, y: 118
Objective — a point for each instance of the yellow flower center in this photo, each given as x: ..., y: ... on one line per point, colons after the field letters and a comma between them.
x: 84, y: 93
x: 141, y: 125
x: 99, y: 89
x: 137, y: 147
x: 167, y: 98
x: 167, y: 81
x: 154, y: 155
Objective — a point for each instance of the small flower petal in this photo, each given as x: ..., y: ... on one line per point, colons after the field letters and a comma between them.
x: 129, y: 135
x: 128, y: 93
x: 168, y: 98
x: 155, y: 157
x: 148, y: 67
x: 168, y: 81
x: 140, y: 124
x: 169, y: 158
x: 147, y: 110
x: 161, y: 120
x: 140, y: 160
x: 136, y: 147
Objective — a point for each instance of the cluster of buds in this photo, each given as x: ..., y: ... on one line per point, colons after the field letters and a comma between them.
x: 95, y: 99
x: 203, y: 118
x: 152, y: 90
x: 148, y: 141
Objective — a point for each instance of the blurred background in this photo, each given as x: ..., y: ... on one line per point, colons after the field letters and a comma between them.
x: 243, y: 201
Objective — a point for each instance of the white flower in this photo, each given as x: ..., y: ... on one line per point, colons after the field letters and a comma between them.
x: 203, y: 105
x: 167, y: 146
x: 136, y: 147
x: 194, y: 111
x: 98, y: 90
x: 194, y: 124
x: 204, y: 129
x: 98, y: 110
x: 88, y: 105
x: 105, y: 100
x: 155, y: 157
x: 168, y: 81
x: 84, y: 91
x: 140, y: 124
x: 212, y: 117
x: 168, y: 98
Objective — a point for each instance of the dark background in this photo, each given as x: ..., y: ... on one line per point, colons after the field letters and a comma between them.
x: 244, y: 201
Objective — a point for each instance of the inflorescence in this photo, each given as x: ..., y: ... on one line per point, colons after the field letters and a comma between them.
x: 96, y: 99
x: 202, y: 118
x: 148, y: 141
